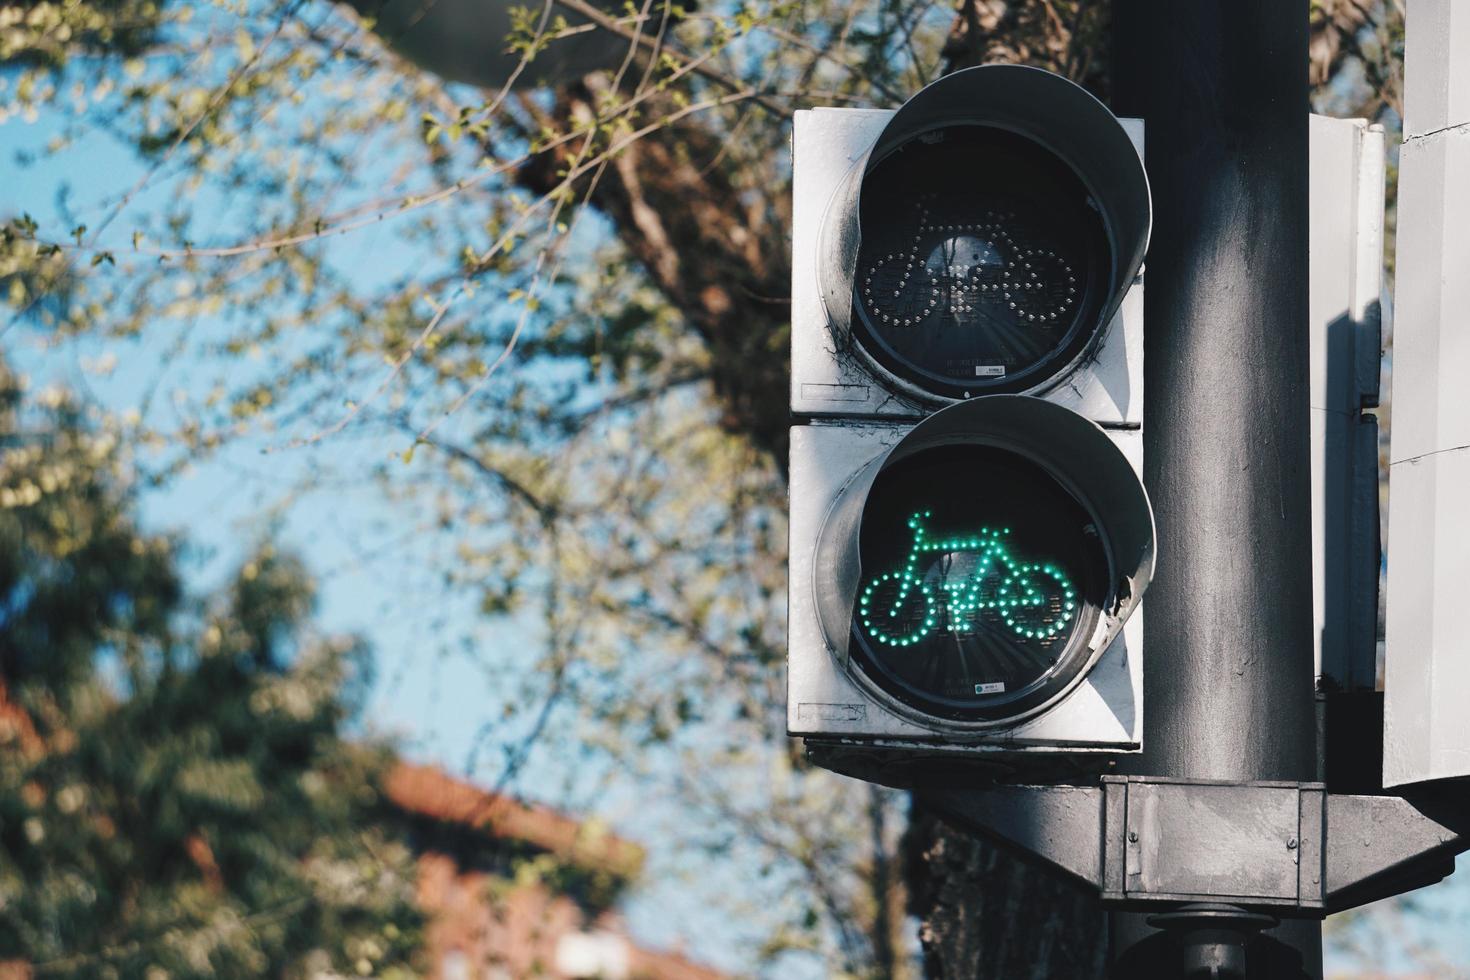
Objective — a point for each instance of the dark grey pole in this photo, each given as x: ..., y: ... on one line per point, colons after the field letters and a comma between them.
x: 1228, y: 620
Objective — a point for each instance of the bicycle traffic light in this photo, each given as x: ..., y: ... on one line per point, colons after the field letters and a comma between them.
x: 969, y: 534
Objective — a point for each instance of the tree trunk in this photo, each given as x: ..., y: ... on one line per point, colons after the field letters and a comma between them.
x: 713, y: 248
x: 985, y: 912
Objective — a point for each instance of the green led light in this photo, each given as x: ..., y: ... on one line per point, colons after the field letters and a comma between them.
x: 914, y: 602
x: 1033, y: 600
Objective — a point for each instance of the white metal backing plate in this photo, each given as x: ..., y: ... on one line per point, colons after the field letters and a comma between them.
x: 1426, y: 723
x: 1346, y: 272
x: 1426, y: 732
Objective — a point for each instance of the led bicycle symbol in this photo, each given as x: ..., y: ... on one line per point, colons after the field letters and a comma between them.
x: 1034, y: 600
x: 964, y: 266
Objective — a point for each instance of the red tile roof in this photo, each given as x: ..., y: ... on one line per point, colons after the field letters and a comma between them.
x: 520, y: 931
x: 430, y: 792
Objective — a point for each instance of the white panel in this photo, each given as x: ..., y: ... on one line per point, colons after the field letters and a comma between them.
x: 1437, y: 66
x: 1346, y: 244
x: 825, y: 145
x: 1427, y: 678
x: 823, y: 459
x: 828, y: 381
x: 1426, y: 723
x: 1431, y: 359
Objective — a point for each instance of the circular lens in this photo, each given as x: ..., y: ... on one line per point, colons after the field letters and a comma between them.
x: 983, y: 263
x: 982, y: 579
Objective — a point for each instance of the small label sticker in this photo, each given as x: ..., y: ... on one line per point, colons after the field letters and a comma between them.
x: 990, y: 370
x: 999, y: 687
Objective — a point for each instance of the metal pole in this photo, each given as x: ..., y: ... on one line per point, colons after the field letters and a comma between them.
x: 1228, y: 645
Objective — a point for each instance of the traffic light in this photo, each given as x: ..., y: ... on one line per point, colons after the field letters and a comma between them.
x: 970, y: 537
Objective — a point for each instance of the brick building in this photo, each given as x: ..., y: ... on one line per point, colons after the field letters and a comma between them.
x: 514, y: 891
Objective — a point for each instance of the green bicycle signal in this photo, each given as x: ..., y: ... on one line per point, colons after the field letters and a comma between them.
x: 1034, y: 600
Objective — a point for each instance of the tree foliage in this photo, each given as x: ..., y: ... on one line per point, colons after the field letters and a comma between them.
x: 176, y: 797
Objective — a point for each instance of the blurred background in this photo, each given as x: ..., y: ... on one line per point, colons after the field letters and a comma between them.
x: 392, y: 495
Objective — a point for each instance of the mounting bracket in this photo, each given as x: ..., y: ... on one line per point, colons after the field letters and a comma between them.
x: 1144, y: 842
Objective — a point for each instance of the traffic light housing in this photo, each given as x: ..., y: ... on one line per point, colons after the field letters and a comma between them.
x: 1037, y: 164
x: 968, y: 544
